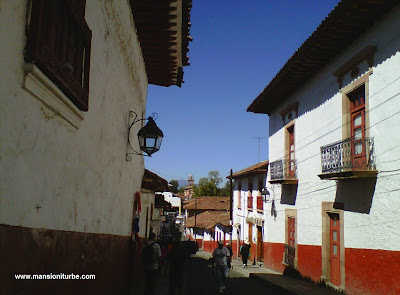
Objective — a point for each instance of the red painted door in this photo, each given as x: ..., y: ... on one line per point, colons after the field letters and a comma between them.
x: 260, y: 245
x: 291, y: 152
x: 291, y: 231
x: 358, y: 144
x: 335, y: 248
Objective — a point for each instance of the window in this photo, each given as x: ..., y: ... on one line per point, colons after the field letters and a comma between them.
x: 59, y: 43
x: 291, y: 231
x: 291, y: 157
x: 250, y: 197
x: 357, y: 129
x: 259, y: 197
x: 289, y: 113
x: 239, y: 195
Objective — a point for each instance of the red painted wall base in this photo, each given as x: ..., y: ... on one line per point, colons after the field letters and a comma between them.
x: 40, y: 251
x: 367, y: 272
x: 372, y: 272
x: 310, y: 261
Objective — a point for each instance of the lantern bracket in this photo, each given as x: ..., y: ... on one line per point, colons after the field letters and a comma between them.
x: 135, y: 119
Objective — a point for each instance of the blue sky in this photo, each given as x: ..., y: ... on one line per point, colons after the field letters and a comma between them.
x: 238, y: 47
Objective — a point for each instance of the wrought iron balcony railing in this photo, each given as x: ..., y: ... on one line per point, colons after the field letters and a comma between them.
x: 348, y: 154
x: 290, y: 254
x: 283, y: 169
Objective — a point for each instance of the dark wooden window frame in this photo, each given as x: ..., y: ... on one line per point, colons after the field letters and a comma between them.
x: 250, y: 197
x: 239, y: 196
x: 59, y: 44
x: 291, y: 153
x: 357, y: 108
x: 260, y: 203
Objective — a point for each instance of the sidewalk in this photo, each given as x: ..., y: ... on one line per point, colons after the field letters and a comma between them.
x: 283, y: 284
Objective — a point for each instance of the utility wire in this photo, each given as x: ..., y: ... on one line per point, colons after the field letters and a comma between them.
x: 341, y: 126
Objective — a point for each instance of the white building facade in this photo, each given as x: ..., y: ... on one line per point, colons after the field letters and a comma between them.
x: 334, y: 152
x: 249, y: 210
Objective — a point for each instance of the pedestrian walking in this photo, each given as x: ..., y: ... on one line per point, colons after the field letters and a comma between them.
x: 151, y: 254
x: 220, y: 257
x: 229, y: 247
x: 245, y: 251
x: 176, y: 260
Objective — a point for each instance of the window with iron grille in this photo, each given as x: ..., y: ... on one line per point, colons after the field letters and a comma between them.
x: 58, y: 43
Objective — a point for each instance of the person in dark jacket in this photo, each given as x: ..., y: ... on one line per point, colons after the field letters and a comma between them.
x: 229, y: 247
x: 176, y: 261
x: 245, y: 251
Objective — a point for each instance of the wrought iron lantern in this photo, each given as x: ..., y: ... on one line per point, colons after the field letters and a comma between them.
x: 265, y: 194
x: 150, y: 136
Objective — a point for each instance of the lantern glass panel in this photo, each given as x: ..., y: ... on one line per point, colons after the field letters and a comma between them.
x: 158, y: 143
x: 150, y: 142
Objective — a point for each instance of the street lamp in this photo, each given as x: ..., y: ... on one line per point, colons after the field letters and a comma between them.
x: 266, y: 195
x: 150, y: 136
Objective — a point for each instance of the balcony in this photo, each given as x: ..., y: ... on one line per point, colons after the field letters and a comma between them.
x: 283, y: 171
x: 290, y: 255
x: 348, y: 158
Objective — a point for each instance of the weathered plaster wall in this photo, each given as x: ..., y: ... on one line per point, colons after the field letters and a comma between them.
x: 54, y: 175
x: 147, y: 198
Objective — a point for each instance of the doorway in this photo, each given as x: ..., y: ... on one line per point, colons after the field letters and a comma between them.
x: 334, y: 234
x: 260, y: 244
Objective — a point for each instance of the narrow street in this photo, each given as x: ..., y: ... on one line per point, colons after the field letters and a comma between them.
x: 199, y: 281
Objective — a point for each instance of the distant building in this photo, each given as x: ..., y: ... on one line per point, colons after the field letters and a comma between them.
x: 207, y: 220
x: 188, y: 192
x: 249, y: 212
x: 152, y: 210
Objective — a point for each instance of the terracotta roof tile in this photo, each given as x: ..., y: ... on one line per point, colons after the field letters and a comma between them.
x: 259, y: 168
x: 208, y: 219
x: 153, y: 182
x: 208, y: 203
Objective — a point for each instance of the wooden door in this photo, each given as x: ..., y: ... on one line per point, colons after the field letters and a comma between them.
x: 335, y: 248
x: 291, y: 231
x: 291, y: 152
x: 250, y: 233
x: 260, y: 245
x: 358, y: 144
x: 251, y: 240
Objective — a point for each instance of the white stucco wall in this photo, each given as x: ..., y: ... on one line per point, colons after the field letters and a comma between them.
x: 319, y: 123
x: 173, y: 200
x: 54, y: 175
x: 241, y: 214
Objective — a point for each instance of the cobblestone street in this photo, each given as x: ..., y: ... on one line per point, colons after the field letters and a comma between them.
x: 199, y: 280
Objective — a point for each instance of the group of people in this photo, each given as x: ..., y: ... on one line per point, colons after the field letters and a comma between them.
x: 170, y: 259
x: 163, y: 259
